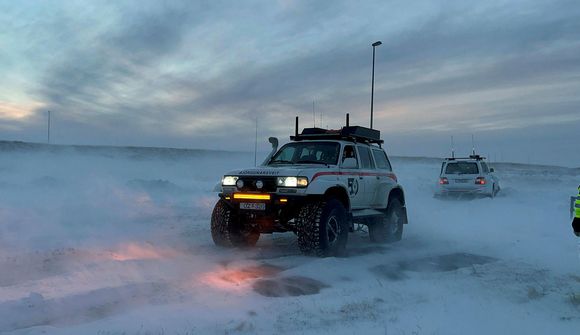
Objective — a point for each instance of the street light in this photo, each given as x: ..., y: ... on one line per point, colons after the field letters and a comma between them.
x: 376, y: 44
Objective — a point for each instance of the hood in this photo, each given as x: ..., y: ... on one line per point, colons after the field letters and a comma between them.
x: 279, y: 171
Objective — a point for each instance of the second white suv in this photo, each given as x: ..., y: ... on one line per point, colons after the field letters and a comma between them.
x: 469, y: 175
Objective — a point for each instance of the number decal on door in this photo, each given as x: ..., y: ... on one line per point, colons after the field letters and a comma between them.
x: 352, y: 186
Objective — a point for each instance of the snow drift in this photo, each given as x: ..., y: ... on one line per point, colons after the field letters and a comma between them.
x: 116, y: 240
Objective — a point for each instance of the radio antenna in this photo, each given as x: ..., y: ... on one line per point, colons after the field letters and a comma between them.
x: 452, y: 148
x: 313, y: 114
x: 472, y: 144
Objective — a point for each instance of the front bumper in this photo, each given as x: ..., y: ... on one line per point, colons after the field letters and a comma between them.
x: 277, y: 211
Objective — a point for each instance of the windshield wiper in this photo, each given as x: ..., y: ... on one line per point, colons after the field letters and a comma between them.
x: 281, y: 161
x: 311, y: 162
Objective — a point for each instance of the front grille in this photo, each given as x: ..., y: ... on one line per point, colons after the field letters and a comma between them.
x: 250, y: 184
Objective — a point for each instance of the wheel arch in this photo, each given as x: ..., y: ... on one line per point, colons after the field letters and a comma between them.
x: 399, y: 194
x: 339, y: 193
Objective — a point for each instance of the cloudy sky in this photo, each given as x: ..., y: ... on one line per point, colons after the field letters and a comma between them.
x: 197, y: 74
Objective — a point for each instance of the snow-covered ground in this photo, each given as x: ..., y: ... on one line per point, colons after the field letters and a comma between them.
x: 117, y: 242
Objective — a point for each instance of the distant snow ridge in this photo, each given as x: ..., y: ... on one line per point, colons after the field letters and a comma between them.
x: 111, y: 151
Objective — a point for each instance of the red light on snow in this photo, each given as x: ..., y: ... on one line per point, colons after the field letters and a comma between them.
x: 480, y: 181
x: 443, y: 181
x: 237, y: 278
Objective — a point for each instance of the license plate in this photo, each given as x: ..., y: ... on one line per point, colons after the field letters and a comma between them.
x: 462, y: 181
x: 256, y: 206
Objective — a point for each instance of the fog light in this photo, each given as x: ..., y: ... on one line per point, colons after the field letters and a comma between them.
x: 259, y: 184
x: 240, y: 183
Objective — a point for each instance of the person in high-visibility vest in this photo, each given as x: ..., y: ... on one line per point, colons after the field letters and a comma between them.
x: 576, y: 221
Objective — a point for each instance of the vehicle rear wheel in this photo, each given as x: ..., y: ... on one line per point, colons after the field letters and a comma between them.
x: 493, y: 191
x: 322, y: 228
x: 389, y: 227
x: 230, y: 230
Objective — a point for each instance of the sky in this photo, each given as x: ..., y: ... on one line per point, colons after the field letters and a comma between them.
x: 198, y: 74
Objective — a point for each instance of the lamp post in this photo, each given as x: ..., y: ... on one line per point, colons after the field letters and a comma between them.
x: 376, y: 44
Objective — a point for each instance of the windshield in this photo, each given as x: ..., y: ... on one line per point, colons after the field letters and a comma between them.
x: 462, y: 168
x: 307, y: 153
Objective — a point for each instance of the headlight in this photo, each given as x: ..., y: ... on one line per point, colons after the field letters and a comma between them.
x: 229, y: 180
x: 292, y: 181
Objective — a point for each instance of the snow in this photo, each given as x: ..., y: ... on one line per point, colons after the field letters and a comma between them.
x: 116, y: 241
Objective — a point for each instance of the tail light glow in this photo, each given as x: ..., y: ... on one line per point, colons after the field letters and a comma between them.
x: 443, y: 181
x: 480, y: 181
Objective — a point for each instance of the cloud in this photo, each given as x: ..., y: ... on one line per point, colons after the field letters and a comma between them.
x: 175, y: 71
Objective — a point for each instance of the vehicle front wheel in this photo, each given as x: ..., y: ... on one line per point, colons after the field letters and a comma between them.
x: 322, y: 228
x: 389, y: 227
x: 229, y: 230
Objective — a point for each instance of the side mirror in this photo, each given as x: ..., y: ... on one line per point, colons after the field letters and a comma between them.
x: 349, y: 163
x: 491, y: 170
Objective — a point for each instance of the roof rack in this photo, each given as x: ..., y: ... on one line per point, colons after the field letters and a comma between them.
x: 476, y: 157
x: 347, y: 133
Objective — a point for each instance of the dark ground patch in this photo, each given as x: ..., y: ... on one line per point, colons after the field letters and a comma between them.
x: 84, y: 307
x: 366, y: 250
x: 444, y: 263
x: 391, y: 272
x: 288, y: 287
x: 35, y: 266
x: 440, y: 263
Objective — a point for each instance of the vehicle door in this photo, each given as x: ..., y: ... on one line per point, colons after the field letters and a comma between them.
x: 384, y: 180
x: 350, y: 170
x: 368, y: 175
x: 488, y: 174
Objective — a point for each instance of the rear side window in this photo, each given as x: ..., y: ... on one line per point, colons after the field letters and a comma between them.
x: 365, y: 157
x: 381, y: 160
x: 484, y: 167
x: 462, y: 168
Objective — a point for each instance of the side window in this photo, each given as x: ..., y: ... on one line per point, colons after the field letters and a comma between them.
x: 349, y: 154
x: 484, y: 167
x: 381, y: 160
x: 365, y: 157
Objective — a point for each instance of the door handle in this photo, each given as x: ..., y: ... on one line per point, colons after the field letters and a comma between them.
x: 360, y: 177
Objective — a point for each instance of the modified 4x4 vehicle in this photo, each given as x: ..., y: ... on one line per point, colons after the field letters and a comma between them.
x: 319, y: 185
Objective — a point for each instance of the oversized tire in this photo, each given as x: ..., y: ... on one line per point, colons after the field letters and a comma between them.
x: 229, y: 230
x: 389, y: 227
x: 322, y: 228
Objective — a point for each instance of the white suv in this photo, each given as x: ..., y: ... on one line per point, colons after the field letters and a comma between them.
x: 318, y: 186
x: 470, y: 175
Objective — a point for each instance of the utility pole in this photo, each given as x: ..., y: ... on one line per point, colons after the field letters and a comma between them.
x: 48, y: 130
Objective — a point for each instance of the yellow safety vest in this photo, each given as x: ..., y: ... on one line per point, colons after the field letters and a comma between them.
x: 577, y: 205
